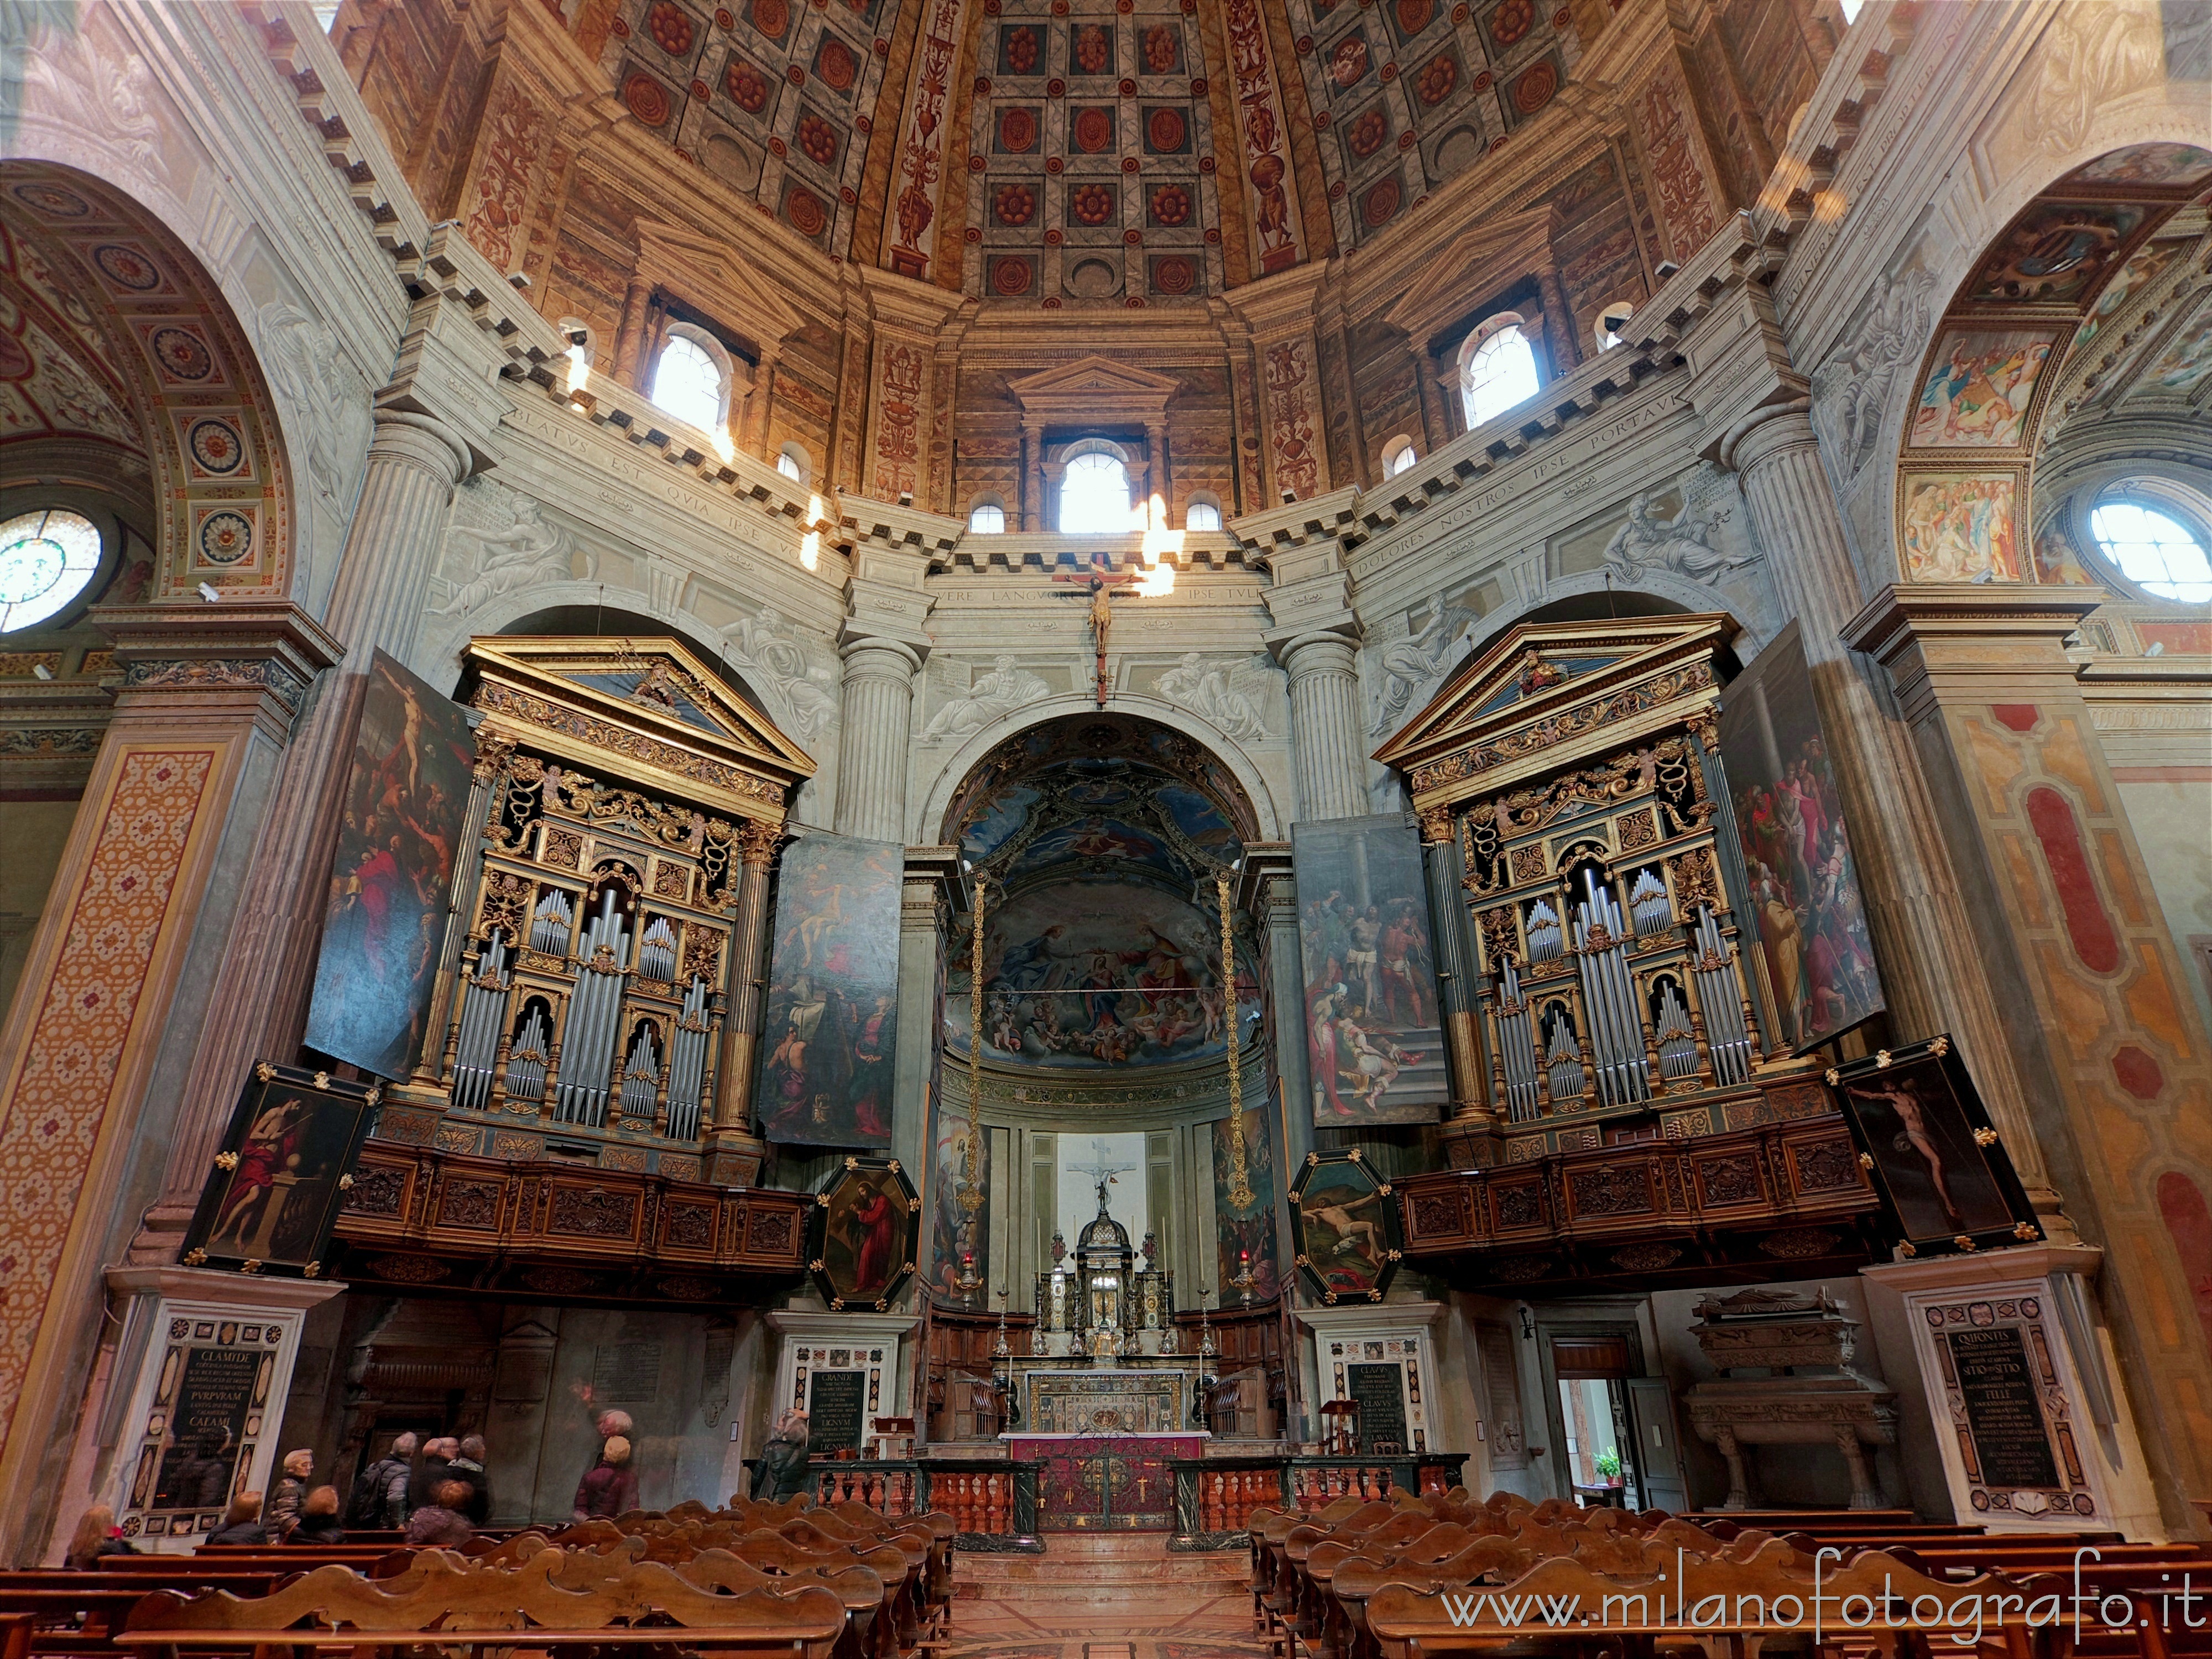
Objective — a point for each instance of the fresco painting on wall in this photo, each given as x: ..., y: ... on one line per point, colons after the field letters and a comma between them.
x: 1797, y: 852
x: 2056, y: 560
x: 1977, y: 393
x: 2164, y: 163
x: 1373, y: 1039
x: 2055, y: 252
x: 827, y: 1044
x: 413, y: 763
x: 1098, y: 971
x: 1961, y: 526
x: 1245, y: 1234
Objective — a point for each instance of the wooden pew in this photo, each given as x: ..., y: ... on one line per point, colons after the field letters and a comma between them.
x: 477, y: 1607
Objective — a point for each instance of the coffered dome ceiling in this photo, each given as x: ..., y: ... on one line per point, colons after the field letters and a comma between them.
x: 1147, y: 151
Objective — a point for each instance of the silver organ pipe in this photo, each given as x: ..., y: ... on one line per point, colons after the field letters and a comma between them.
x: 1670, y: 1024
x: 640, y: 1073
x: 687, y: 1064
x: 656, y: 951
x: 531, y: 1055
x: 1563, y: 1055
x: 587, y: 1038
x: 484, y: 1016
x: 549, y: 924
x: 1516, y: 1046
x: 1647, y: 903
x: 1546, y: 941
x: 1721, y: 1002
x: 1610, y: 995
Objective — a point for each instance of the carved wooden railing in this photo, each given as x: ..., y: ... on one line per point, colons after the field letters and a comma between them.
x: 1782, y: 1193
x: 418, y: 1216
x: 993, y: 1501
x: 1215, y: 1497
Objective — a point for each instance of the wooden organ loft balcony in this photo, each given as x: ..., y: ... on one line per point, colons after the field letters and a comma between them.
x: 1644, y: 1124
x: 576, y: 1126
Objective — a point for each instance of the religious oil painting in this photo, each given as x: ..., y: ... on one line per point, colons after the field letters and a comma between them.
x: 1374, y: 1036
x: 1348, y: 1232
x: 276, y: 1187
x: 1979, y: 388
x: 1244, y: 1233
x: 2155, y: 164
x: 866, y: 1224
x: 831, y: 1028
x: 1946, y: 1181
x: 960, y: 1213
x: 1961, y: 526
x: 384, y: 924
x: 1810, y: 914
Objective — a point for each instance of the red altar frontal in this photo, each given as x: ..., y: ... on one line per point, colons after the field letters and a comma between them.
x: 1103, y: 1483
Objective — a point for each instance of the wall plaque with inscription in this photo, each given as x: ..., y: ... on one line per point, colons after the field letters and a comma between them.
x: 2004, y: 1415
x: 835, y: 1401
x: 623, y: 1373
x: 1380, y: 1391
x: 213, y: 1401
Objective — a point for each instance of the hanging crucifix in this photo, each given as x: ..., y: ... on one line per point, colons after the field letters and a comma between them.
x: 1097, y: 584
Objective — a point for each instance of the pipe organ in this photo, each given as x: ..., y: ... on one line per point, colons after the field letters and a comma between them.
x: 624, y: 794
x: 1576, y: 768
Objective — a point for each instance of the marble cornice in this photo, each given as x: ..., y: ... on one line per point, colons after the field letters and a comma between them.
x: 186, y: 644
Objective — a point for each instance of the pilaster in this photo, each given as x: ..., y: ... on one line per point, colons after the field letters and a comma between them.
x: 733, y: 1153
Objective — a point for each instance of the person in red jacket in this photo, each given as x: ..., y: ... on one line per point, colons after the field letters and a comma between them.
x: 610, y: 1488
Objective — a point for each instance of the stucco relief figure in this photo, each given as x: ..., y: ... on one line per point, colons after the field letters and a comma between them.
x: 1680, y: 546
x: 105, y: 92
x: 527, y: 552
x: 763, y: 650
x: 303, y: 356
x: 1207, y: 691
x: 1002, y: 691
x: 1412, y: 666
x: 1851, y: 391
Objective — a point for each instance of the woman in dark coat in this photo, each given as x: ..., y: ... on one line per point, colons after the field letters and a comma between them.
x: 241, y: 1521
x: 780, y: 1473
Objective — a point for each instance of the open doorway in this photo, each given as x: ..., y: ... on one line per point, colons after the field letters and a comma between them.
x: 1598, y: 1465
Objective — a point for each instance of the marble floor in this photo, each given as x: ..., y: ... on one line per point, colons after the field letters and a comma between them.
x: 1103, y: 1597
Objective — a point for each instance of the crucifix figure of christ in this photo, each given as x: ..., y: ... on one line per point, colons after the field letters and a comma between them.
x: 1101, y: 1171
x: 1097, y: 584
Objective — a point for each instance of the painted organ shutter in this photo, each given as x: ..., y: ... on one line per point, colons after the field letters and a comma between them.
x: 1577, y: 1357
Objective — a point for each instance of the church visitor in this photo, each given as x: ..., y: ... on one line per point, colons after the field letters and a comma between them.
x: 97, y: 1537
x: 241, y: 1521
x: 318, y: 1519
x: 290, y: 1493
x: 379, y: 1491
x: 609, y: 1489
x: 469, y: 1465
x: 780, y: 1474
x: 440, y: 1522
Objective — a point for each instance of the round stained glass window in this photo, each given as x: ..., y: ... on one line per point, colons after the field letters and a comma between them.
x: 2154, y: 550
x: 45, y: 559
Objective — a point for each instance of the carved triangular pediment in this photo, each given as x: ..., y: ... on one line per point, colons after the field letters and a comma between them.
x: 1487, y: 259
x: 1545, y: 685
x: 644, y: 699
x: 712, y: 275
x: 1100, y: 385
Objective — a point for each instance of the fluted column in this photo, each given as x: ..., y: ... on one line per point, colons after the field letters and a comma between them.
x: 399, y: 527
x: 871, y: 749
x: 1456, y: 981
x: 1928, y: 944
x: 1032, y: 478
x: 1332, y: 763
x: 741, y: 1014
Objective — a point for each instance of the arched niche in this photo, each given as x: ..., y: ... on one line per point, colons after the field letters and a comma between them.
x: 1268, y: 822
x: 103, y: 293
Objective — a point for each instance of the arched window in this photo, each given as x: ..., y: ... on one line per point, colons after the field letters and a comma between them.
x: 794, y: 463
x: 2155, y: 543
x: 988, y: 517
x: 1203, y: 512
x: 689, y: 383
x: 46, y: 557
x: 579, y: 336
x: 1399, y: 455
x: 1497, y: 368
x: 1094, y: 493
x: 1851, y: 10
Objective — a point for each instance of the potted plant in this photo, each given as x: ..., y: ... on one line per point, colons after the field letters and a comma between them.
x: 1608, y: 1466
